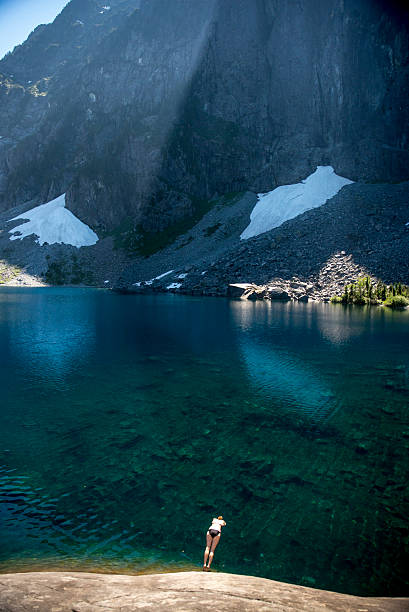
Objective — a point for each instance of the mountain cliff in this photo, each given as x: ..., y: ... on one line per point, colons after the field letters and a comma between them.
x: 145, y: 112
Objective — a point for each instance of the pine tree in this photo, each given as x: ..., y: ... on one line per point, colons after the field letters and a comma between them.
x: 345, y: 296
x: 367, y: 285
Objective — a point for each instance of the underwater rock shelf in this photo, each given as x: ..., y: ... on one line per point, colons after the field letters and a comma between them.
x: 44, y: 591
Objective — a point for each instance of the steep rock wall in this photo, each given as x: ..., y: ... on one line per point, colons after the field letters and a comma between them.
x: 157, y: 107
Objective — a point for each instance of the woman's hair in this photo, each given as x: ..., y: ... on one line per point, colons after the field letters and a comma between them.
x: 220, y: 518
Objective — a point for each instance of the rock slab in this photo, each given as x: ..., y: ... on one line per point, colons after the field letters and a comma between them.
x: 86, y: 592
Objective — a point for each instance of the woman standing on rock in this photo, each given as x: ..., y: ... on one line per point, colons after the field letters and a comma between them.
x: 212, y: 539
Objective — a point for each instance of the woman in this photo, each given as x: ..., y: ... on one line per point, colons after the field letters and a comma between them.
x: 212, y: 540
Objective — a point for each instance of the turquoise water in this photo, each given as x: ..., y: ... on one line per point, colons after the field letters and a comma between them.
x: 127, y: 422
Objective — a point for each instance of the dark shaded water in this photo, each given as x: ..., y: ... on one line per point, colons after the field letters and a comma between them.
x: 127, y: 422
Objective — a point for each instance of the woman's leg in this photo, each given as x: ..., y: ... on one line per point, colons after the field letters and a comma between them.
x: 213, y: 545
x: 208, y: 547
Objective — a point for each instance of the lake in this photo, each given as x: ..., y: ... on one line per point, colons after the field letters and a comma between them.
x: 128, y: 422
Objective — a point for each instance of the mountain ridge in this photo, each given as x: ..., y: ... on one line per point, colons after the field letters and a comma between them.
x: 148, y: 113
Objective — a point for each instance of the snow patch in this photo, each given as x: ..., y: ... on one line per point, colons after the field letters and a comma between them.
x: 174, y: 286
x: 162, y: 275
x: 289, y: 201
x: 150, y: 282
x: 53, y: 223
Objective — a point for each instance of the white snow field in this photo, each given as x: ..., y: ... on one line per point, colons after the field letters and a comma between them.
x: 53, y: 223
x: 289, y: 201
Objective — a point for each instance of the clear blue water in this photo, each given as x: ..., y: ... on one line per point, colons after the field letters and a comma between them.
x: 128, y: 422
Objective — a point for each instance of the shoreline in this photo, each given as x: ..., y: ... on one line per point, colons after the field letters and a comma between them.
x: 191, y: 590
x: 279, y: 290
x: 234, y: 291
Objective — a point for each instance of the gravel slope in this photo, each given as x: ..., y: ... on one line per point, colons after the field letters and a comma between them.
x: 362, y: 230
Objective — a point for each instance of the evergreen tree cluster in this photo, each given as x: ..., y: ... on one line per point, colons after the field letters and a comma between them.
x: 369, y: 291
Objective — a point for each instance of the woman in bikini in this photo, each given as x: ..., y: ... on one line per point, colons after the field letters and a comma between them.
x: 212, y: 540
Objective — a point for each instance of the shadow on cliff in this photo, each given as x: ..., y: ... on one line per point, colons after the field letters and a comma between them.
x: 267, y: 102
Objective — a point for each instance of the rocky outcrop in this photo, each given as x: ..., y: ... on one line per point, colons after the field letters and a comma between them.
x: 81, y: 592
x: 241, y: 290
x: 338, y: 271
x: 145, y: 112
x: 247, y: 291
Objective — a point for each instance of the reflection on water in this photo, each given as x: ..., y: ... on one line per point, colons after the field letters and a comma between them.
x: 286, y: 380
x: 278, y: 372
x: 49, y: 333
x: 127, y: 421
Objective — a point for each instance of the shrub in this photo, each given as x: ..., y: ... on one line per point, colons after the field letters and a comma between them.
x: 337, y: 299
x: 212, y: 229
x: 57, y: 272
x: 397, y: 301
x: 360, y: 300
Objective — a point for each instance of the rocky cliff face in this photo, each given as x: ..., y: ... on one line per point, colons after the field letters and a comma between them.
x: 146, y: 110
